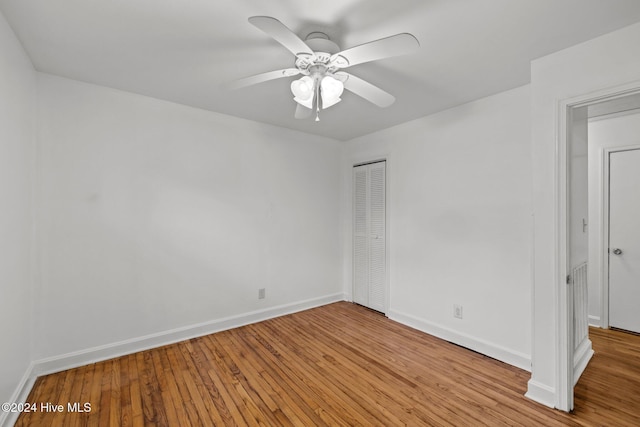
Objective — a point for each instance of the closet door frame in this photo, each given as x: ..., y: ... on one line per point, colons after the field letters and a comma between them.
x: 349, y: 261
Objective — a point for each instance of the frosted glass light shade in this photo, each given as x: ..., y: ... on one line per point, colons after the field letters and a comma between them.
x: 331, y: 89
x: 303, y: 88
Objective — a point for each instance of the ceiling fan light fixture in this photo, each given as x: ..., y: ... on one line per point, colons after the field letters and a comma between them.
x: 303, y: 88
x: 319, y: 60
x: 330, y: 90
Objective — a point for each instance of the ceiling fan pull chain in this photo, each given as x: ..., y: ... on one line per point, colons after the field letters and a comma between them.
x: 317, y: 100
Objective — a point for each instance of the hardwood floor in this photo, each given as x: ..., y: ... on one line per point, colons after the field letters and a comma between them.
x: 340, y: 364
x: 608, y: 392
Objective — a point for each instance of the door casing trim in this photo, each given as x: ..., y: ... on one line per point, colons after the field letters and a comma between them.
x: 564, y: 304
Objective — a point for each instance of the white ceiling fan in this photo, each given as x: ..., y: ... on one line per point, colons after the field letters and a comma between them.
x: 320, y: 61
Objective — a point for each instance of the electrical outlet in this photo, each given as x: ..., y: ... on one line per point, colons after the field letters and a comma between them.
x: 457, y: 311
x: 261, y: 293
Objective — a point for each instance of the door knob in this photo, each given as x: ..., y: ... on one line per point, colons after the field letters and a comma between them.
x: 617, y: 251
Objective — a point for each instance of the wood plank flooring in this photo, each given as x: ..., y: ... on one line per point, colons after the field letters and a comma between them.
x: 338, y: 365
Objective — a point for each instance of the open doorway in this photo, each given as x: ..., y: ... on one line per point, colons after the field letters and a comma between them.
x: 588, y: 149
x: 614, y: 143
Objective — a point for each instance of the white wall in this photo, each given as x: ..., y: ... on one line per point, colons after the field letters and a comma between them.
x: 604, y: 63
x: 157, y: 216
x: 459, y: 206
x: 17, y: 119
x: 607, y: 132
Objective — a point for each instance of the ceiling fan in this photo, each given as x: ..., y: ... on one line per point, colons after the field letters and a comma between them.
x: 320, y: 61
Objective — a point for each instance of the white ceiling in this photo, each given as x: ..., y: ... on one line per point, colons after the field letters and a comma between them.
x: 184, y: 51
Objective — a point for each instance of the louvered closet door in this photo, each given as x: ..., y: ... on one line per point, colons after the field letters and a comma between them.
x: 369, y: 244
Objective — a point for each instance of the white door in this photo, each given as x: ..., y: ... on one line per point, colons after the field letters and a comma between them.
x: 369, y: 235
x: 624, y: 240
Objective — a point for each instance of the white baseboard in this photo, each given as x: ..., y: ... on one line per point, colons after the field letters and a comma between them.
x: 541, y: 393
x: 121, y: 348
x: 581, y: 358
x: 19, y: 395
x: 595, y: 321
x: 520, y: 360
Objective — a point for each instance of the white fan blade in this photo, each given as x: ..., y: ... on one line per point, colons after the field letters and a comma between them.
x: 400, y: 44
x: 281, y: 34
x: 366, y: 90
x: 263, y: 77
x: 302, y: 112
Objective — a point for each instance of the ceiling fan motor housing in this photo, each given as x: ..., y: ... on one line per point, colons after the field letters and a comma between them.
x: 324, y: 50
